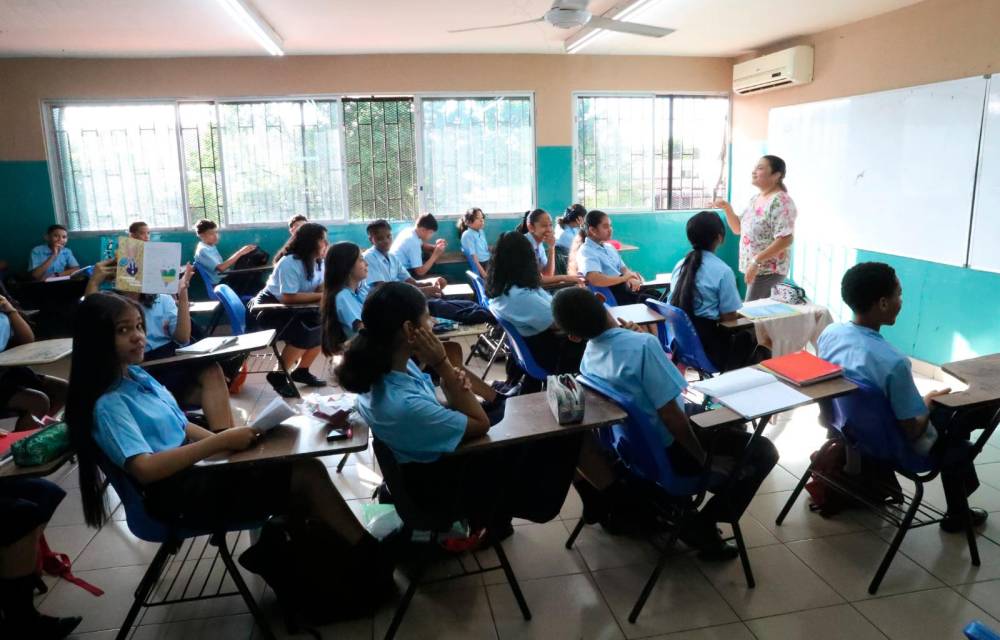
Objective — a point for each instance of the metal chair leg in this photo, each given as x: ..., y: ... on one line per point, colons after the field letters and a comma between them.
x: 653, y: 577
x: 411, y: 589
x: 573, y: 534
x: 284, y: 370
x: 146, y: 585
x: 904, y: 526
x: 801, y: 484
x: 512, y: 581
x: 343, y: 461
x: 744, y: 558
x: 493, y: 358
x: 219, y: 540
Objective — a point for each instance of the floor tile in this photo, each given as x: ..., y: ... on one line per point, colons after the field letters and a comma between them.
x: 572, y: 508
x: 985, y: 594
x: 358, y: 629
x: 946, y: 555
x: 754, y: 533
x: 561, y: 607
x: 848, y: 563
x: 357, y: 481
x: 734, y: 631
x: 70, y: 539
x: 925, y: 615
x: 682, y: 599
x: 778, y: 480
x: 99, y: 613
x: 829, y: 623
x: 443, y: 615
x: 115, y: 546
x: 602, y: 550
x: 800, y: 523
x: 784, y: 584
x: 536, y: 551
x: 109, y: 634
x: 204, y: 629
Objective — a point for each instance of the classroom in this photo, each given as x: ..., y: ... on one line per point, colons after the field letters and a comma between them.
x: 672, y: 319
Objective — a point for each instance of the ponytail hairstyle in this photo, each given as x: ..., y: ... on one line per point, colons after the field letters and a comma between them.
x: 94, y: 369
x: 530, y: 217
x: 778, y: 166
x: 303, y: 245
x: 467, y: 219
x: 593, y: 218
x: 703, y: 231
x: 369, y: 354
x: 573, y: 213
x: 340, y: 260
x: 514, y: 264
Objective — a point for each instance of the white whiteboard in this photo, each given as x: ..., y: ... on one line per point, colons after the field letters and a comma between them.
x: 984, y: 248
x: 892, y: 172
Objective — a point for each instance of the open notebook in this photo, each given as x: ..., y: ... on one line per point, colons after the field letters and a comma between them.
x: 208, y: 345
x: 751, y: 392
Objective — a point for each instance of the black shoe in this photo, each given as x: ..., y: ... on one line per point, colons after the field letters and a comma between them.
x: 703, y: 535
x: 305, y: 376
x: 281, y: 385
x: 956, y: 523
x: 39, y: 627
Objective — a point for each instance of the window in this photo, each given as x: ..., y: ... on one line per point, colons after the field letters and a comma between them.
x: 477, y: 152
x: 118, y: 163
x: 650, y: 152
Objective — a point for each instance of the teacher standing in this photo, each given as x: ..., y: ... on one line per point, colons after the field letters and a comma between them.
x: 766, y: 226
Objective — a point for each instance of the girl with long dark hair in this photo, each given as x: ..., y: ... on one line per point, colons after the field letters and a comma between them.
x: 705, y: 288
x: 598, y: 260
x: 296, y: 279
x: 473, y: 238
x: 569, y: 223
x: 536, y: 225
x: 344, y: 291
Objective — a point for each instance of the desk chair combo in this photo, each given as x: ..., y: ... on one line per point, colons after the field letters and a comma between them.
x: 634, y: 444
x: 863, y: 419
x: 522, y: 353
x: 488, y: 341
x: 682, y: 340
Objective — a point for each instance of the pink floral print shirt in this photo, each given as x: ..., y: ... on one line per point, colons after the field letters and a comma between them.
x: 761, y: 225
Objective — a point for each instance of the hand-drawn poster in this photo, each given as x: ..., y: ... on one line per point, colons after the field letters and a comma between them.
x: 148, y: 267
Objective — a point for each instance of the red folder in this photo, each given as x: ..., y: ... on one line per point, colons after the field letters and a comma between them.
x: 6, y: 441
x: 802, y: 368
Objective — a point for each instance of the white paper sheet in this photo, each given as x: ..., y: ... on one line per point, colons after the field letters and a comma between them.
x: 734, y: 382
x: 272, y: 415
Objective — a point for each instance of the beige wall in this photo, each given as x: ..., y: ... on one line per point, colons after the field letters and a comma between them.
x: 24, y: 83
x: 929, y: 42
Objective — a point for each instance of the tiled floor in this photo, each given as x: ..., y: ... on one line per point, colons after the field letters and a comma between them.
x: 812, y: 573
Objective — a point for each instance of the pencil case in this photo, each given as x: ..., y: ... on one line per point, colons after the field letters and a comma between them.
x: 42, y: 447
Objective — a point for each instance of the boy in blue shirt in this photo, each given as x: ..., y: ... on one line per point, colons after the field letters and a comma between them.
x: 207, y: 256
x: 634, y: 364
x: 52, y: 258
x: 410, y: 244
x: 874, y: 294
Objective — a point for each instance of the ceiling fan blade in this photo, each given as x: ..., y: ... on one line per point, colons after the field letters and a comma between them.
x: 497, y: 26
x: 575, y: 5
x: 634, y: 28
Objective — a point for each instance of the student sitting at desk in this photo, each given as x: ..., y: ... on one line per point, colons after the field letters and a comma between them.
x: 344, y: 291
x: 386, y: 266
x: 474, y: 246
x: 30, y: 395
x: 516, y: 296
x: 296, y: 279
x: 875, y: 295
x: 139, y: 230
x: 537, y: 228
x: 207, y: 255
x: 167, y: 323
x: 705, y: 288
x: 398, y: 402
x: 600, y: 263
x: 53, y: 258
x: 410, y: 244
x: 569, y: 225
x: 117, y: 412
x: 634, y: 364
x: 294, y: 223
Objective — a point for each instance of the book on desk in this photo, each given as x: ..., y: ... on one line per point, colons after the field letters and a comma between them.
x: 752, y: 392
x: 802, y: 368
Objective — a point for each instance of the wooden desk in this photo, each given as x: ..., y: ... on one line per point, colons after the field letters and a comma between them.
x: 661, y: 281
x: 35, y: 353
x: 528, y: 417
x: 260, y: 269
x: 458, y: 291
x: 450, y: 257
x: 816, y: 392
x: 983, y: 377
x: 244, y: 344
x: 637, y: 313
x: 739, y: 323
x: 464, y: 330
x: 279, y: 305
x: 9, y: 470
x: 627, y: 247
x: 297, y: 437
x: 203, y: 306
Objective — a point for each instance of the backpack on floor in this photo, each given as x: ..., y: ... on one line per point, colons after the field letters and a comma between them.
x: 876, y: 483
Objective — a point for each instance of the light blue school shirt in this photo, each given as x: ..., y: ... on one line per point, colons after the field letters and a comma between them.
x: 408, y: 247
x: 565, y: 239
x: 868, y: 357
x: 602, y: 258
x: 529, y: 310
x: 539, y: 248
x: 289, y: 276
x: 634, y: 365
x: 137, y: 415
x: 474, y: 244
x: 208, y: 256
x: 161, y: 321
x: 384, y: 267
x: 4, y: 331
x: 715, y: 284
x: 403, y: 412
x: 349, y: 304
x: 65, y: 259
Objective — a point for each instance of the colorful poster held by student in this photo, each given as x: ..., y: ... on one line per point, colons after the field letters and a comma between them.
x: 148, y: 267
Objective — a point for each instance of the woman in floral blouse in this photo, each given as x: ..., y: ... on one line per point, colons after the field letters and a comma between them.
x: 766, y: 227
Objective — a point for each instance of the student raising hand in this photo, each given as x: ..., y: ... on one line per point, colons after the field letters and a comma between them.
x: 104, y: 271
x: 185, y: 280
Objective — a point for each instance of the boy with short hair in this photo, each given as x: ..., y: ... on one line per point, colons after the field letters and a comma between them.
x: 139, y: 230
x: 410, y: 244
x: 633, y: 363
x: 53, y: 258
x: 874, y: 294
x: 207, y: 255
x: 295, y: 222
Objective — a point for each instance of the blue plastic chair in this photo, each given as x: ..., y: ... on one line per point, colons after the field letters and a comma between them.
x: 609, y: 298
x: 977, y: 630
x: 207, y: 279
x: 493, y: 343
x: 171, y: 539
x: 522, y: 352
x: 232, y: 306
x: 472, y: 265
x: 478, y: 287
x: 683, y: 340
x: 637, y: 444
x: 865, y: 421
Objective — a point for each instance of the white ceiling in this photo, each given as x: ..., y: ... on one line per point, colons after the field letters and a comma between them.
x: 148, y: 28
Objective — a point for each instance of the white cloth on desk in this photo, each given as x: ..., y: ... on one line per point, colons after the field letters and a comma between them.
x: 789, y: 334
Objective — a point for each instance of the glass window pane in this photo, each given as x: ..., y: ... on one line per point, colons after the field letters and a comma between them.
x: 691, y: 151
x: 380, y: 158
x: 202, y: 161
x: 614, y: 154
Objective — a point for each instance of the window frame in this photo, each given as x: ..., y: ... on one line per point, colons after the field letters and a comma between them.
x: 652, y: 95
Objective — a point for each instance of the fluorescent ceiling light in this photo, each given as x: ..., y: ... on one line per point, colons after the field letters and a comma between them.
x: 586, y: 36
x: 254, y: 24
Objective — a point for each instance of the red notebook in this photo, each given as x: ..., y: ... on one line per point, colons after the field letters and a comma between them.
x: 6, y: 441
x: 802, y: 368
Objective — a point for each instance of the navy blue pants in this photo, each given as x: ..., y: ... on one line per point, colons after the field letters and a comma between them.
x: 25, y: 505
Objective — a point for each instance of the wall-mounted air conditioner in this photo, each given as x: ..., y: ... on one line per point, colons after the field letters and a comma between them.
x: 780, y: 69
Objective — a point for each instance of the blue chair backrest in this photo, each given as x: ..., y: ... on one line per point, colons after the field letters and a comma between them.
x: 976, y: 630
x: 609, y: 298
x: 233, y: 306
x: 521, y: 350
x: 207, y: 279
x: 640, y: 448
x: 866, y: 419
x: 139, y: 522
x: 472, y: 264
x: 684, y: 342
x: 479, y: 288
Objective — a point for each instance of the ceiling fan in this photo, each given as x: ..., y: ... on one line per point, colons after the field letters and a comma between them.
x: 569, y: 14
